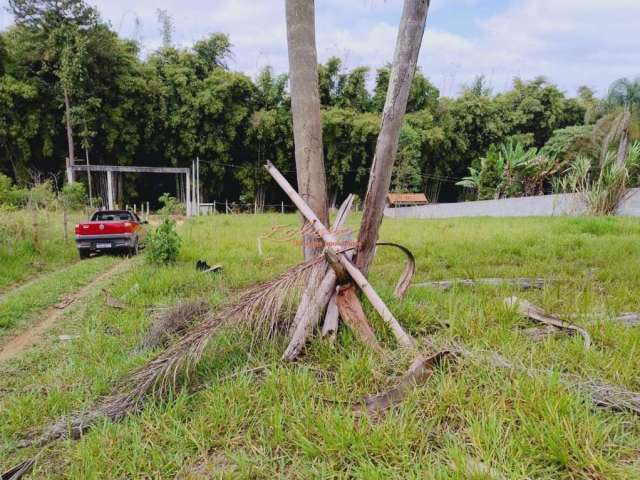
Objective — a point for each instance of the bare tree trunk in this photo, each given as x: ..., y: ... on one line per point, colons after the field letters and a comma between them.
x: 412, y: 24
x: 67, y: 109
x: 623, y: 147
x: 305, y: 108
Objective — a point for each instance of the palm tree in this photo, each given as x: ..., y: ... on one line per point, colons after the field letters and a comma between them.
x: 624, y: 99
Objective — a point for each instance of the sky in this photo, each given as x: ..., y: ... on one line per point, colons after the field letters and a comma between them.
x: 571, y: 42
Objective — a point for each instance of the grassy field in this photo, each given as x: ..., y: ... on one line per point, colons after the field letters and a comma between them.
x: 471, y: 420
x: 32, y: 243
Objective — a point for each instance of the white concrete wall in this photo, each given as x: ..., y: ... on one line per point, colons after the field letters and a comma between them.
x: 541, y: 206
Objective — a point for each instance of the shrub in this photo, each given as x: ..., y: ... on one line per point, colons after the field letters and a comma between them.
x: 171, y: 206
x: 163, y: 244
x: 73, y: 196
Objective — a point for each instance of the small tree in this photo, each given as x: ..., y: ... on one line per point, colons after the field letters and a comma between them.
x: 163, y: 244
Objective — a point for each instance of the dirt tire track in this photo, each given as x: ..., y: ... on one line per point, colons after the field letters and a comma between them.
x: 21, y: 286
x: 33, y: 335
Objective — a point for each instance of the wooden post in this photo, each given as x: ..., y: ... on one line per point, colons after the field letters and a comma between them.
x: 214, y: 207
x: 282, y: 208
x: 110, y: 189
x: 330, y: 240
x: 147, y: 216
x: 226, y: 206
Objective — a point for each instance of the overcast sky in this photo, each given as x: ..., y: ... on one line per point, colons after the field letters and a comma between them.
x: 572, y: 42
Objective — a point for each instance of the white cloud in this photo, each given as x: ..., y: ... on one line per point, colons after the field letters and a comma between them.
x: 572, y: 42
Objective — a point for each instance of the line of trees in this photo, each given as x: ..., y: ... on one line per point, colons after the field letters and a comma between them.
x: 70, y: 87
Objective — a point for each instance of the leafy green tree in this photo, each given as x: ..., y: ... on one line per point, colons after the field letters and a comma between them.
x: 537, y: 108
x: 329, y: 80
x: 349, y: 144
x: 353, y: 91
x: 423, y: 93
x: 407, y: 172
x: 213, y: 52
x: 478, y: 87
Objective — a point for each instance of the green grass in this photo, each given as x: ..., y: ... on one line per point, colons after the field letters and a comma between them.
x: 295, y: 421
x: 28, y: 248
x: 20, y: 307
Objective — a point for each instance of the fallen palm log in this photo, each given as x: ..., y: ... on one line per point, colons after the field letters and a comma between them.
x: 521, y: 283
x: 403, y: 338
x: 420, y: 370
x: 628, y: 319
x: 533, y: 312
x: 172, y: 321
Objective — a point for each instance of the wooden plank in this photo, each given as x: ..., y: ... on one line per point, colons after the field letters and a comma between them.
x: 127, y: 169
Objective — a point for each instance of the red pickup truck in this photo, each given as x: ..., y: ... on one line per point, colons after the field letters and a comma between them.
x: 110, y: 231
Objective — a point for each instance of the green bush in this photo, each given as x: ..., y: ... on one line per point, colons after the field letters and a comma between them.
x: 73, y: 196
x: 171, y: 206
x: 163, y: 244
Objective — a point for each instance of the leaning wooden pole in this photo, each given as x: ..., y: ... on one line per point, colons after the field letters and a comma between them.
x: 330, y: 241
x: 410, y: 33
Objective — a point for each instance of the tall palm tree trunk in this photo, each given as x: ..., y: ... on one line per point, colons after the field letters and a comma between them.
x: 305, y: 108
x: 410, y: 33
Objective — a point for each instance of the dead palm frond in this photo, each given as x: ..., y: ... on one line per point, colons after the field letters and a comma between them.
x: 172, y: 321
x: 263, y: 309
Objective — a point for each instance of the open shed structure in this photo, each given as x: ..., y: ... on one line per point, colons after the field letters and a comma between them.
x: 191, y: 180
x: 406, y: 199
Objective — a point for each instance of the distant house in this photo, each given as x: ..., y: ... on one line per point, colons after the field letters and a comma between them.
x: 406, y: 199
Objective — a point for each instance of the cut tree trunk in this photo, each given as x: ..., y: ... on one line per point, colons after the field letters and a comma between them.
x: 305, y: 109
x: 353, y: 316
x: 410, y: 33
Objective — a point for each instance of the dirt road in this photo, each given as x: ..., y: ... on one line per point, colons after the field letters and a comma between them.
x: 30, y: 337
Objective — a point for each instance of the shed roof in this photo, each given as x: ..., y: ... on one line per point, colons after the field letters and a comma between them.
x: 407, y: 198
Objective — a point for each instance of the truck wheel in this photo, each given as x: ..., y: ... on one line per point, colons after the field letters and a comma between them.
x: 84, y: 254
x: 133, y: 251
